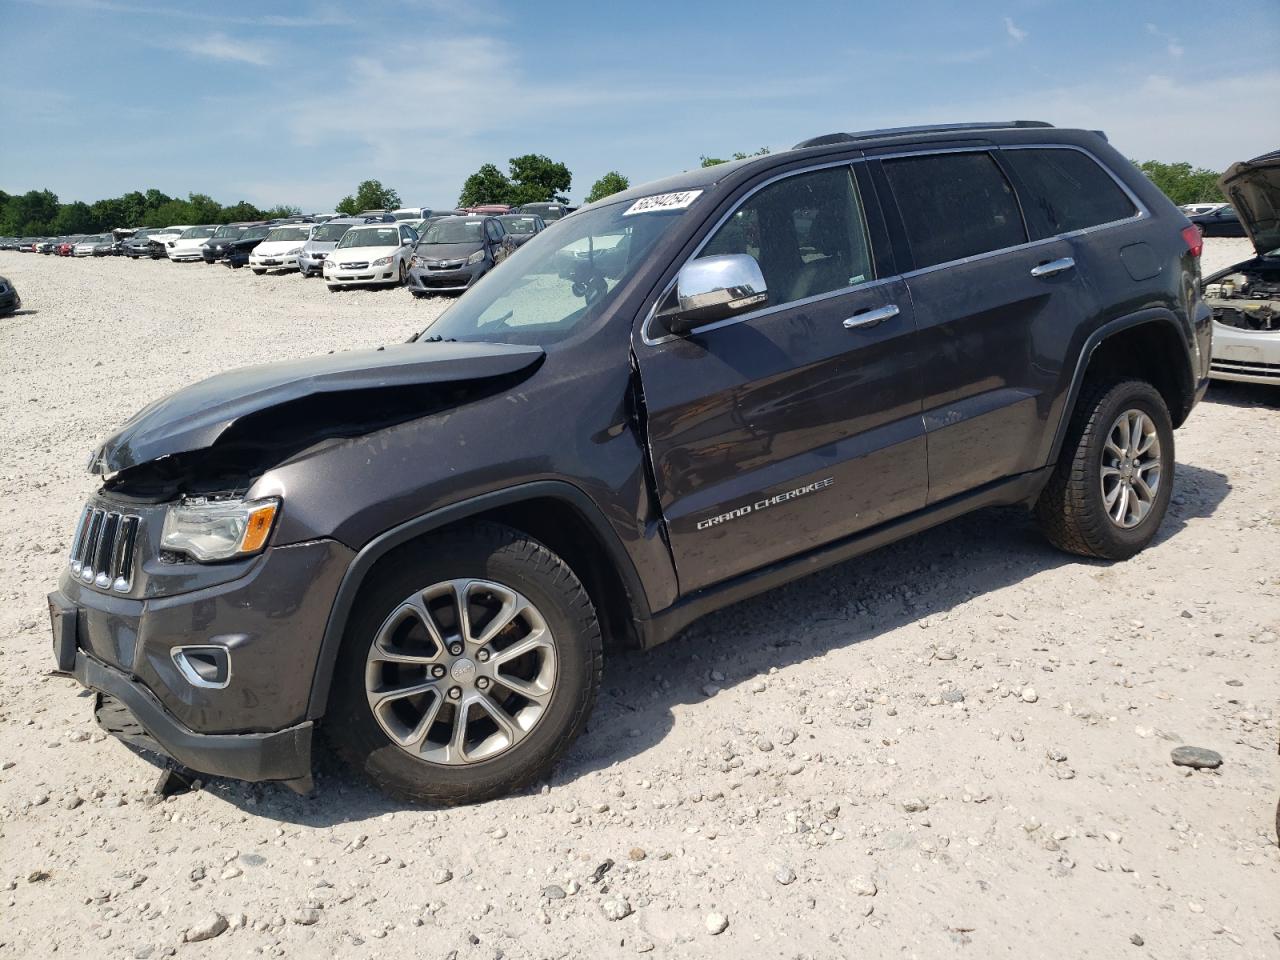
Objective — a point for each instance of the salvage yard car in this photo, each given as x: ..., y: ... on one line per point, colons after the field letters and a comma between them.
x: 187, y: 245
x: 237, y: 250
x: 1220, y: 222
x: 376, y: 253
x: 280, y: 249
x: 99, y: 245
x: 426, y: 551
x: 456, y: 252
x: 10, y: 302
x: 215, y: 248
x: 321, y: 240
x: 1245, y: 298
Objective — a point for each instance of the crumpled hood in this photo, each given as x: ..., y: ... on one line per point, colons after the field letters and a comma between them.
x: 1253, y: 187
x: 195, y: 417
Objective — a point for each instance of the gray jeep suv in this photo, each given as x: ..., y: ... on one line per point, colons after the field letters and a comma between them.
x: 681, y: 396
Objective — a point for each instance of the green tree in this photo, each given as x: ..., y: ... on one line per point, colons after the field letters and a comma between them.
x: 712, y: 161
x: 244, y: 210
x: 1183, y: 183
x: 32, y: 213
x: 486, y: 185
x: 75, y: 217
x: 279, y: 211
x: 611, y: 183
x: 370, y: 195
x: 204, y: 209
x: 536, y: 178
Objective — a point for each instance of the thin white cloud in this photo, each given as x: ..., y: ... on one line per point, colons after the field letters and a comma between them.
x: 219, y: 46
x: 1173, y: 46
x: 1015, y: 32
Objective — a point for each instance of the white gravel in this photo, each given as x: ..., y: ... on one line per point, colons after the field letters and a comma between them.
x: 970, y: 732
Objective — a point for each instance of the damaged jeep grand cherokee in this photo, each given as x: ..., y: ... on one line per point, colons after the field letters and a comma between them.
x: 681, y: 396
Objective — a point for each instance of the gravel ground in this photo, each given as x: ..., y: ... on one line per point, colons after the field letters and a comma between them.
x: 963, y: 740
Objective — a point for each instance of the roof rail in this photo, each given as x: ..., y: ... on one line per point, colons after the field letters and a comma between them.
x: 830, y: 138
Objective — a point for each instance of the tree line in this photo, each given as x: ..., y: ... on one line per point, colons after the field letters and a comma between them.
x: 529, y: 178
x: 39, y: 212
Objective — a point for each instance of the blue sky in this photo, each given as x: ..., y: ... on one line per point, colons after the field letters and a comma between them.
x: 295, y: 102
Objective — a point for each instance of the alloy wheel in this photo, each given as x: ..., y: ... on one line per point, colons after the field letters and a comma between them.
x: 461, y: 671
x: 1131, y: 468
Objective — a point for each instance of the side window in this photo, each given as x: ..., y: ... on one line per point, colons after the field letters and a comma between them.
x: 1065, y: 190
x: 491, y: 228
x: 954, y: 205
x: 807, y: 232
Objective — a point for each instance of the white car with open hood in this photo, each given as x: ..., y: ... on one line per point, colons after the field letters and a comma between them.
x: 1245, y: 298
x: 279, y: 251
x: 376, y: 253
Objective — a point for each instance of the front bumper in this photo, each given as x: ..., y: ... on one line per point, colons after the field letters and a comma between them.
x: 1246, y: 356
x: 279, y: 262
x: 339, y: 276
x: 279, y: 755
x: 310, y: 263
x: 269, y: 620
x: 423, y: 281
x: 10, y: 301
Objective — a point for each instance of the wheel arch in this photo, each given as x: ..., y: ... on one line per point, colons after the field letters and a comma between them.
x: 554, y: 512
x: 1149, y: 345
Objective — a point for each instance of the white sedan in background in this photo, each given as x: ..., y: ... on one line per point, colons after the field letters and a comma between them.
x: 279, y: 251
x: 377, y: 253
x: 186, y: 246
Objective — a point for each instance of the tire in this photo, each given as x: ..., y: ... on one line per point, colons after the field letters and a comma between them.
x: 527, y: 570
x: 257, y: 272
x: 332, y: 287
x: 404, y: 274
x: 1072, y: 509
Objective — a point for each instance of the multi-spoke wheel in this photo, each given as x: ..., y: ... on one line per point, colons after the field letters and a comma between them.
x: 468, y: 666
x: 1111, y: 487
x: 1130, y: 469
x: 461, y: 671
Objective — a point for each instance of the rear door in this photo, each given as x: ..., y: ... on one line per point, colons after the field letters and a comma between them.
x: 799, y: 423
x: 995, y: 314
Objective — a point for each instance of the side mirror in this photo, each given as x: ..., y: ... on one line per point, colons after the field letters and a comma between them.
x: 711, y: 289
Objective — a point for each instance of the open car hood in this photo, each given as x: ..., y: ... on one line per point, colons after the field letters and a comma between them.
x: 1253, y: 187
x: 196, y: 417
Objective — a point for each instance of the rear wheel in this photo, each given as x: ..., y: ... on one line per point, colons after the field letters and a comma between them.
x: 467, y: 670
x: 1111, y: 487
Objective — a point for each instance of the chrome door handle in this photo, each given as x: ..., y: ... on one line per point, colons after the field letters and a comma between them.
x: 869, y: 318
x: 1053, y: 266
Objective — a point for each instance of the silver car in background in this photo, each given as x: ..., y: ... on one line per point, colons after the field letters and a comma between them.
x: 324, y: 237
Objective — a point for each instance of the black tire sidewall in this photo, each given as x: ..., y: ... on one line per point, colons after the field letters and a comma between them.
x: 491, y: 553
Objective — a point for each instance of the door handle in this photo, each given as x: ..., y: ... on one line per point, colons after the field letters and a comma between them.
x: 869, y: 318
x: 1050, y: 267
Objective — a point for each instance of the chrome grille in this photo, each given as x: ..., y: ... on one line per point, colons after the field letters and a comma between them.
x: 103, y: 551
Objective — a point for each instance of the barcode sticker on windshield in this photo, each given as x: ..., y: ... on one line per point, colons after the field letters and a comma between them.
x: 663, y: 201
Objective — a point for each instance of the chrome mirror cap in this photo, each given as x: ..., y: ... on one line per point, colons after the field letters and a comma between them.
x: 714, y: 288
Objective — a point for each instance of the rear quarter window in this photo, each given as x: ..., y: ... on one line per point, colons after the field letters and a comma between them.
x: 954, y: 205
x: 1064, y: 190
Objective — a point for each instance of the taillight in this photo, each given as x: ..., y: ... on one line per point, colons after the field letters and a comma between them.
x: 1194, y: 239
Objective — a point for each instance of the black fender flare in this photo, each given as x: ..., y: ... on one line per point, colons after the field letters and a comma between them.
x: 1152, y: 315
x: 388, y: 540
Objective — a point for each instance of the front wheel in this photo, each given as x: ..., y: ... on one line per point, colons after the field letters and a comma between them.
x: 1111, y: 487
x: 332, y: 287
x: 404, y: 274
x: 467, y: 669
x: 257, y: 272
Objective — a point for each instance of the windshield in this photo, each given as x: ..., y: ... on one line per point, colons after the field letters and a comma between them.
x: 288, y: 233
x: 547, y: 211
x: 329, y: 232
x: 370, y: 237
x: 455, y: 230
x: 255, y: 233
x: 227, y: 231
x: 408, y: 214
x: 195, y: 233
x: 518, y: 224
x: 559, y: 280
x: 143, y: 234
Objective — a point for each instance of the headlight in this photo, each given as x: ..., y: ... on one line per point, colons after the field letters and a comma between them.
x: 475, y: 257
x: 207, y: 530
x: 328, y: 264
x: 382, y: 262
x: 294, y: 252
x: 418, y: 262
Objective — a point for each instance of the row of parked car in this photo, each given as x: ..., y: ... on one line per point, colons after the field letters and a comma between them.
x: 426, y: 249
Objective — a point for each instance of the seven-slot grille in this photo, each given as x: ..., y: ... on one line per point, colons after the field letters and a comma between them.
x: 103, y: 551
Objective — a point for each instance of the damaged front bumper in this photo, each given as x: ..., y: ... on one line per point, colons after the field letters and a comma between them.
x: 250, y: 717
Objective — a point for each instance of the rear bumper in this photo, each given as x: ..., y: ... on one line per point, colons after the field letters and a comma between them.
x: 279, y: 755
